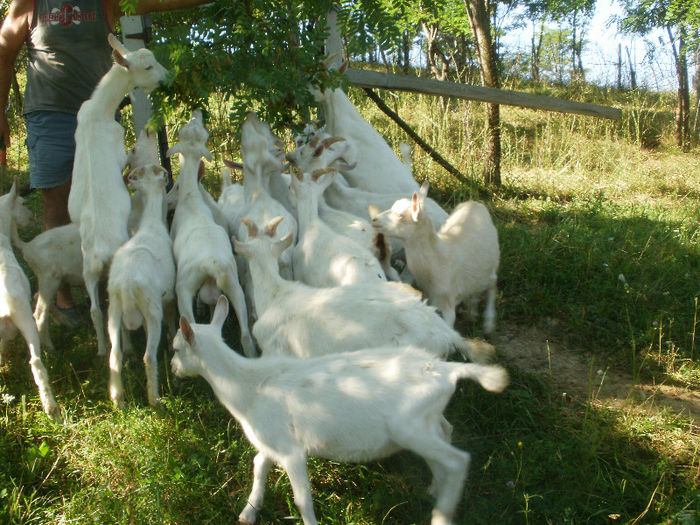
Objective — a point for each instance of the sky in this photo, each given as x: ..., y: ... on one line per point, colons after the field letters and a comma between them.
x: 600, y: 52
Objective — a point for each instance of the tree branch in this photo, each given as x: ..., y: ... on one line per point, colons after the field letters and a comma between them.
x: 409, y: 131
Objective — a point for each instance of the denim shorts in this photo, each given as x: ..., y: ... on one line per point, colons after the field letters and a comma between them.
x: 51, y: 147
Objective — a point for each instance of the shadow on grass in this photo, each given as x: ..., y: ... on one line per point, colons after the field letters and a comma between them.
x: 613, y: 276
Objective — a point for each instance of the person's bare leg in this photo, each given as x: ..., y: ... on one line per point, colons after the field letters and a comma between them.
x: 56, y: 214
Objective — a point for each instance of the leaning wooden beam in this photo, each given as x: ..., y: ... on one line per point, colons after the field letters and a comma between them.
x: 375, y: 79
x: 409, y: 131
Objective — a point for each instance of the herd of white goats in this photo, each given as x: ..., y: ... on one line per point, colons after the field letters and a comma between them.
x: 351, y: 365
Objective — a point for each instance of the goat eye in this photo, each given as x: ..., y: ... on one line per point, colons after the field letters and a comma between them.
x: 148, y: 68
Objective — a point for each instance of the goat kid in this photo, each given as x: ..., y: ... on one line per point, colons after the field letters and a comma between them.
x: 141, y: 283
x: 99, y: 201
x: 354, y: 407
x: 455, y: 263
x: 15, y: 293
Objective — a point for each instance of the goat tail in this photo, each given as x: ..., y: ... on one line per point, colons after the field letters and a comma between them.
x: 491, y: 377
x: 475, y: 350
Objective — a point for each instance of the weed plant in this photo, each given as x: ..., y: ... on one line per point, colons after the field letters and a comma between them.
x: 598, y: 226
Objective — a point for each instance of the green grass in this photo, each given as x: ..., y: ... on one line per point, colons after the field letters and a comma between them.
x: 583, y: 202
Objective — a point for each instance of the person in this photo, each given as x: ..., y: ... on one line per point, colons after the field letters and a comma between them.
x: 68, y: 53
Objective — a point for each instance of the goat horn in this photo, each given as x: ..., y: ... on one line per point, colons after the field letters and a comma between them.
x: 271, y: 227
x: 252, y: 227
x: 297, y: 172
x: 316, y: 174
x: 332, y: 140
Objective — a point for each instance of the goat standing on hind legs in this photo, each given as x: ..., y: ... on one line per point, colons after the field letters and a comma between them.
x: 203, y: 253
x: 99, y: 201
x: 142, y: 282
x: 15, y: 293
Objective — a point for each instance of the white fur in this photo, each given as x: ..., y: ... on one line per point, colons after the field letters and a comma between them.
x: 54, y: 256
x: 202, y: 249
x: 142, y: 282
x: 377, y: 168
x: 231, y: 201
x: 99, y: 202
x: 15, y: 293
x: 260, y: 158
x: 324, y: 151
x: 321, y: 256
x: 298, y: 320
x: 353, y: 407
x: 455, y: 263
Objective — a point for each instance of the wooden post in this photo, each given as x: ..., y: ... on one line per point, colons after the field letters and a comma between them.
x: 134, y: 35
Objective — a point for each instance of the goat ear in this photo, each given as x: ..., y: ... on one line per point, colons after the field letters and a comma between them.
x: 344, y: 66
x: 284, y: 243
x: 186, y: 330
x: 206, y: 153
x: 373, y: 211
x: 416, y: 206
x: 238, y: 246
x: 119, y: 59
x: 13, y: 188
x: 423, y: 191
x: 174, y: 149
x: 220, y: 312
x: 116, y: 44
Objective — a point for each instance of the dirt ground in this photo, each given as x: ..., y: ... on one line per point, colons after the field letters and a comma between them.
x: 577, y: 376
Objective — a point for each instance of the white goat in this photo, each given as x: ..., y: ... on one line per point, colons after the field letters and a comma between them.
x: 377, y: 168
x: 141, y: 282
x: 15, y: 294
x: 202, y: 248
x: 298, y: 320
x: 321, y: 256
x: 455, y: 263
x: 54, y: 256
x: 353, y: 407
x: 324, y: 151
x: 99, y: 201
x: 231, y: 199
x: 143, y: 153
x: 260, y: 158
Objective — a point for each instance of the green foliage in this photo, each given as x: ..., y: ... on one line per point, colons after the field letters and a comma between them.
x: 263, y: 54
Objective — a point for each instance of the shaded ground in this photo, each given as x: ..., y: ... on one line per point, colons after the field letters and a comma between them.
x: 579, y: 377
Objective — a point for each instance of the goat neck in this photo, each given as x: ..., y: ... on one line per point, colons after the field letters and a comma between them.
x: 267, y: 281
x: 252, y: 181
x: 233, y: 378
x: 307, y: 208
x: 108, y: 94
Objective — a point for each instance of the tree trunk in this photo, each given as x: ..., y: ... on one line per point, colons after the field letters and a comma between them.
x: 438, y: 62
x: 406, y: 44
x: 633, y: 73
x: 683, y: 113
x: 481, y: 29
x: 696, y: 83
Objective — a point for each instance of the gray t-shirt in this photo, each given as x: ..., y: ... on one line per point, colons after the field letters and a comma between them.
x: 67, y: 53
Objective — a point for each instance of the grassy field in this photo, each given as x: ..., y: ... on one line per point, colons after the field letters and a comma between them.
x: 598, y: 225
